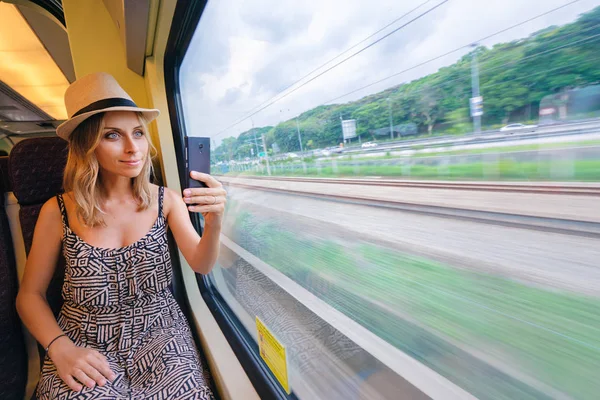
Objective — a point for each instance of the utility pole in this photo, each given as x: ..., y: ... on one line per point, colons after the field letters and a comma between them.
x: 342, y: 126
x: 255, y: 141
x: 266, y: 154
x: 391, y: 127
x: 475, y: 112
x: 299, y: 137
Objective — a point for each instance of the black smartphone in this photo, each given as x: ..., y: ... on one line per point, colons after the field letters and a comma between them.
x: 197, y: 158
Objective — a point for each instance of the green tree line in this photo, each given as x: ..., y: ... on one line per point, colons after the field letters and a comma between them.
x: 514, y: 77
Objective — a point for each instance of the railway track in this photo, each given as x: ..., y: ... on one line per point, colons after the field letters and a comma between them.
x: 584, y: 189
x: 545, y: 224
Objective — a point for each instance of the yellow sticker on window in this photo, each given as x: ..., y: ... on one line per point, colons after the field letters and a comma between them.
x: 274, y: 354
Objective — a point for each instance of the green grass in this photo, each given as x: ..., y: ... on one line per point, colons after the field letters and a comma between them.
x: 582, y: 170
x: 553, y: 336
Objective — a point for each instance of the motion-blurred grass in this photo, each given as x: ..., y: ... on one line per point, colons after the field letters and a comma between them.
x: 430, y: 310
x: 581, y: 170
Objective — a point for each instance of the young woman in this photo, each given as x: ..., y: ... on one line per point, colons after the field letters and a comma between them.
x: 120, y: 333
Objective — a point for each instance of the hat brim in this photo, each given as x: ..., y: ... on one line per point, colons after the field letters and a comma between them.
x: 65, y: 129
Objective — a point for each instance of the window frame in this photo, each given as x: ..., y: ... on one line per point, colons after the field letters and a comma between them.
x: 185, y: 21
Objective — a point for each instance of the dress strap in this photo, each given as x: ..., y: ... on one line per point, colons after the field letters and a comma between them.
x: 63, y: 210
x: 161, y: 196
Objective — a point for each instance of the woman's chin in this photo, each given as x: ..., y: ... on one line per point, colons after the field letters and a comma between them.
x: 131, y: 173
x: 134, y: 175
x: 124, y: 171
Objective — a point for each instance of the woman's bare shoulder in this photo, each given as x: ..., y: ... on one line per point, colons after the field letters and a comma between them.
x: 50, y: 213
x: 172, y: 198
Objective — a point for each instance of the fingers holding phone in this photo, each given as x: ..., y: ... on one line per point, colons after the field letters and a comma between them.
x: 209, y: 199
x: 204, y: 194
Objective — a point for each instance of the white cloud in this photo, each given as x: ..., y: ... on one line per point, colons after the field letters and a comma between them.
x: 244, y: 53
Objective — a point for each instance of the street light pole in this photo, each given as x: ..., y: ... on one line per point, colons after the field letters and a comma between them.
x: 475, y: 87
x: 254, y: 134
x: 299, y: 137
x: 391, y: 128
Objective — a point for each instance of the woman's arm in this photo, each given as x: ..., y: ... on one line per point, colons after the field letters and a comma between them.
x: 200, y: 254
x: 88, y: 366
x: 39, y: 269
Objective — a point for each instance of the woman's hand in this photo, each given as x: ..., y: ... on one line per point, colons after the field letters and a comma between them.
x: 209, y: 201
x: 79, y: 364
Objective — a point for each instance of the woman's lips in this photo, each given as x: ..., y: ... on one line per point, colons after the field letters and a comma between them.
x: 132, y: 163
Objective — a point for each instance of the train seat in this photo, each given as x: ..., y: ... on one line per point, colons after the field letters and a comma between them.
x: 13, y: 355
x: 36, y: 169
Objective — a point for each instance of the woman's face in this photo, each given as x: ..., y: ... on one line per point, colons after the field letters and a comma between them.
x: 123, y: 146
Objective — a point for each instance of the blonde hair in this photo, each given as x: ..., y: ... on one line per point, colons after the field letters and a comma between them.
x: 82, y: 173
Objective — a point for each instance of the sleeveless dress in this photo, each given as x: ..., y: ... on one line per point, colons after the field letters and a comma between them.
x: 118, y: 302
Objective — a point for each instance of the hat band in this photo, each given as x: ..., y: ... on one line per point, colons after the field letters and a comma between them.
x: 106, y: 103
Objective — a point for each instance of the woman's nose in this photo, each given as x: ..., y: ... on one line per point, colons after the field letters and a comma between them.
x: 131, y: 146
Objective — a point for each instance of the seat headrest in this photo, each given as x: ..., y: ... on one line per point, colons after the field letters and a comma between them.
x: 36, y: 168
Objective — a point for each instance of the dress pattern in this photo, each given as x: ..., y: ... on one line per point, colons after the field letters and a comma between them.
x: 118, y: 302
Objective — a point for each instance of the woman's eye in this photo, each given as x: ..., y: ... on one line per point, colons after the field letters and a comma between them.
x: 112, y: 135
x: 138, y: 134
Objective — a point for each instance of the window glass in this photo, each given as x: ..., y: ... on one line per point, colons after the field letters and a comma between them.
x: 413, y: 190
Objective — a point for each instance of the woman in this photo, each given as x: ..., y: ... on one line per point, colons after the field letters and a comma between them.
x: 120, y: 333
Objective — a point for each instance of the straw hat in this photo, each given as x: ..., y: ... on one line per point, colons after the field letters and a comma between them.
x: 93, y: 94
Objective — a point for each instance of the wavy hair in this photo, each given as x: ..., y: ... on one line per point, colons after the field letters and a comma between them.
x: 82, y: 172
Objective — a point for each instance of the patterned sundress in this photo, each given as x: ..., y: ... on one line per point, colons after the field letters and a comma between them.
x: 118, y: 301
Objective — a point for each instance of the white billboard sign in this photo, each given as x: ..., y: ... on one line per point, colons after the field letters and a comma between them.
x: 349, y: 128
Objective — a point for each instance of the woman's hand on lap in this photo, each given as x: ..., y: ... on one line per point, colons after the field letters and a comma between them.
x: 80, y: 365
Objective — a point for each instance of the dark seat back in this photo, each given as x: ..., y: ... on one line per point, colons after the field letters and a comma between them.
x: 36, y: 169
x: 13, y: 355
x: 4, y: 175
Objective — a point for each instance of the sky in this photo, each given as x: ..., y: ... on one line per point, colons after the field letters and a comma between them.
x: 244, y: 53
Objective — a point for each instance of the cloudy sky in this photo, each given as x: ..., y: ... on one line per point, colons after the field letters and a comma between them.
x: 246, y: 52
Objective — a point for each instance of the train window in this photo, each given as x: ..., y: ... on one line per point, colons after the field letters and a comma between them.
x: 413, y: 191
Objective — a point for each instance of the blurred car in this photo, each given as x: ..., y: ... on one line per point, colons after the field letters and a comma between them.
x: 292, y: 155
x: 331, y: 150
x: 367, y: 145
x: 517, y: 127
